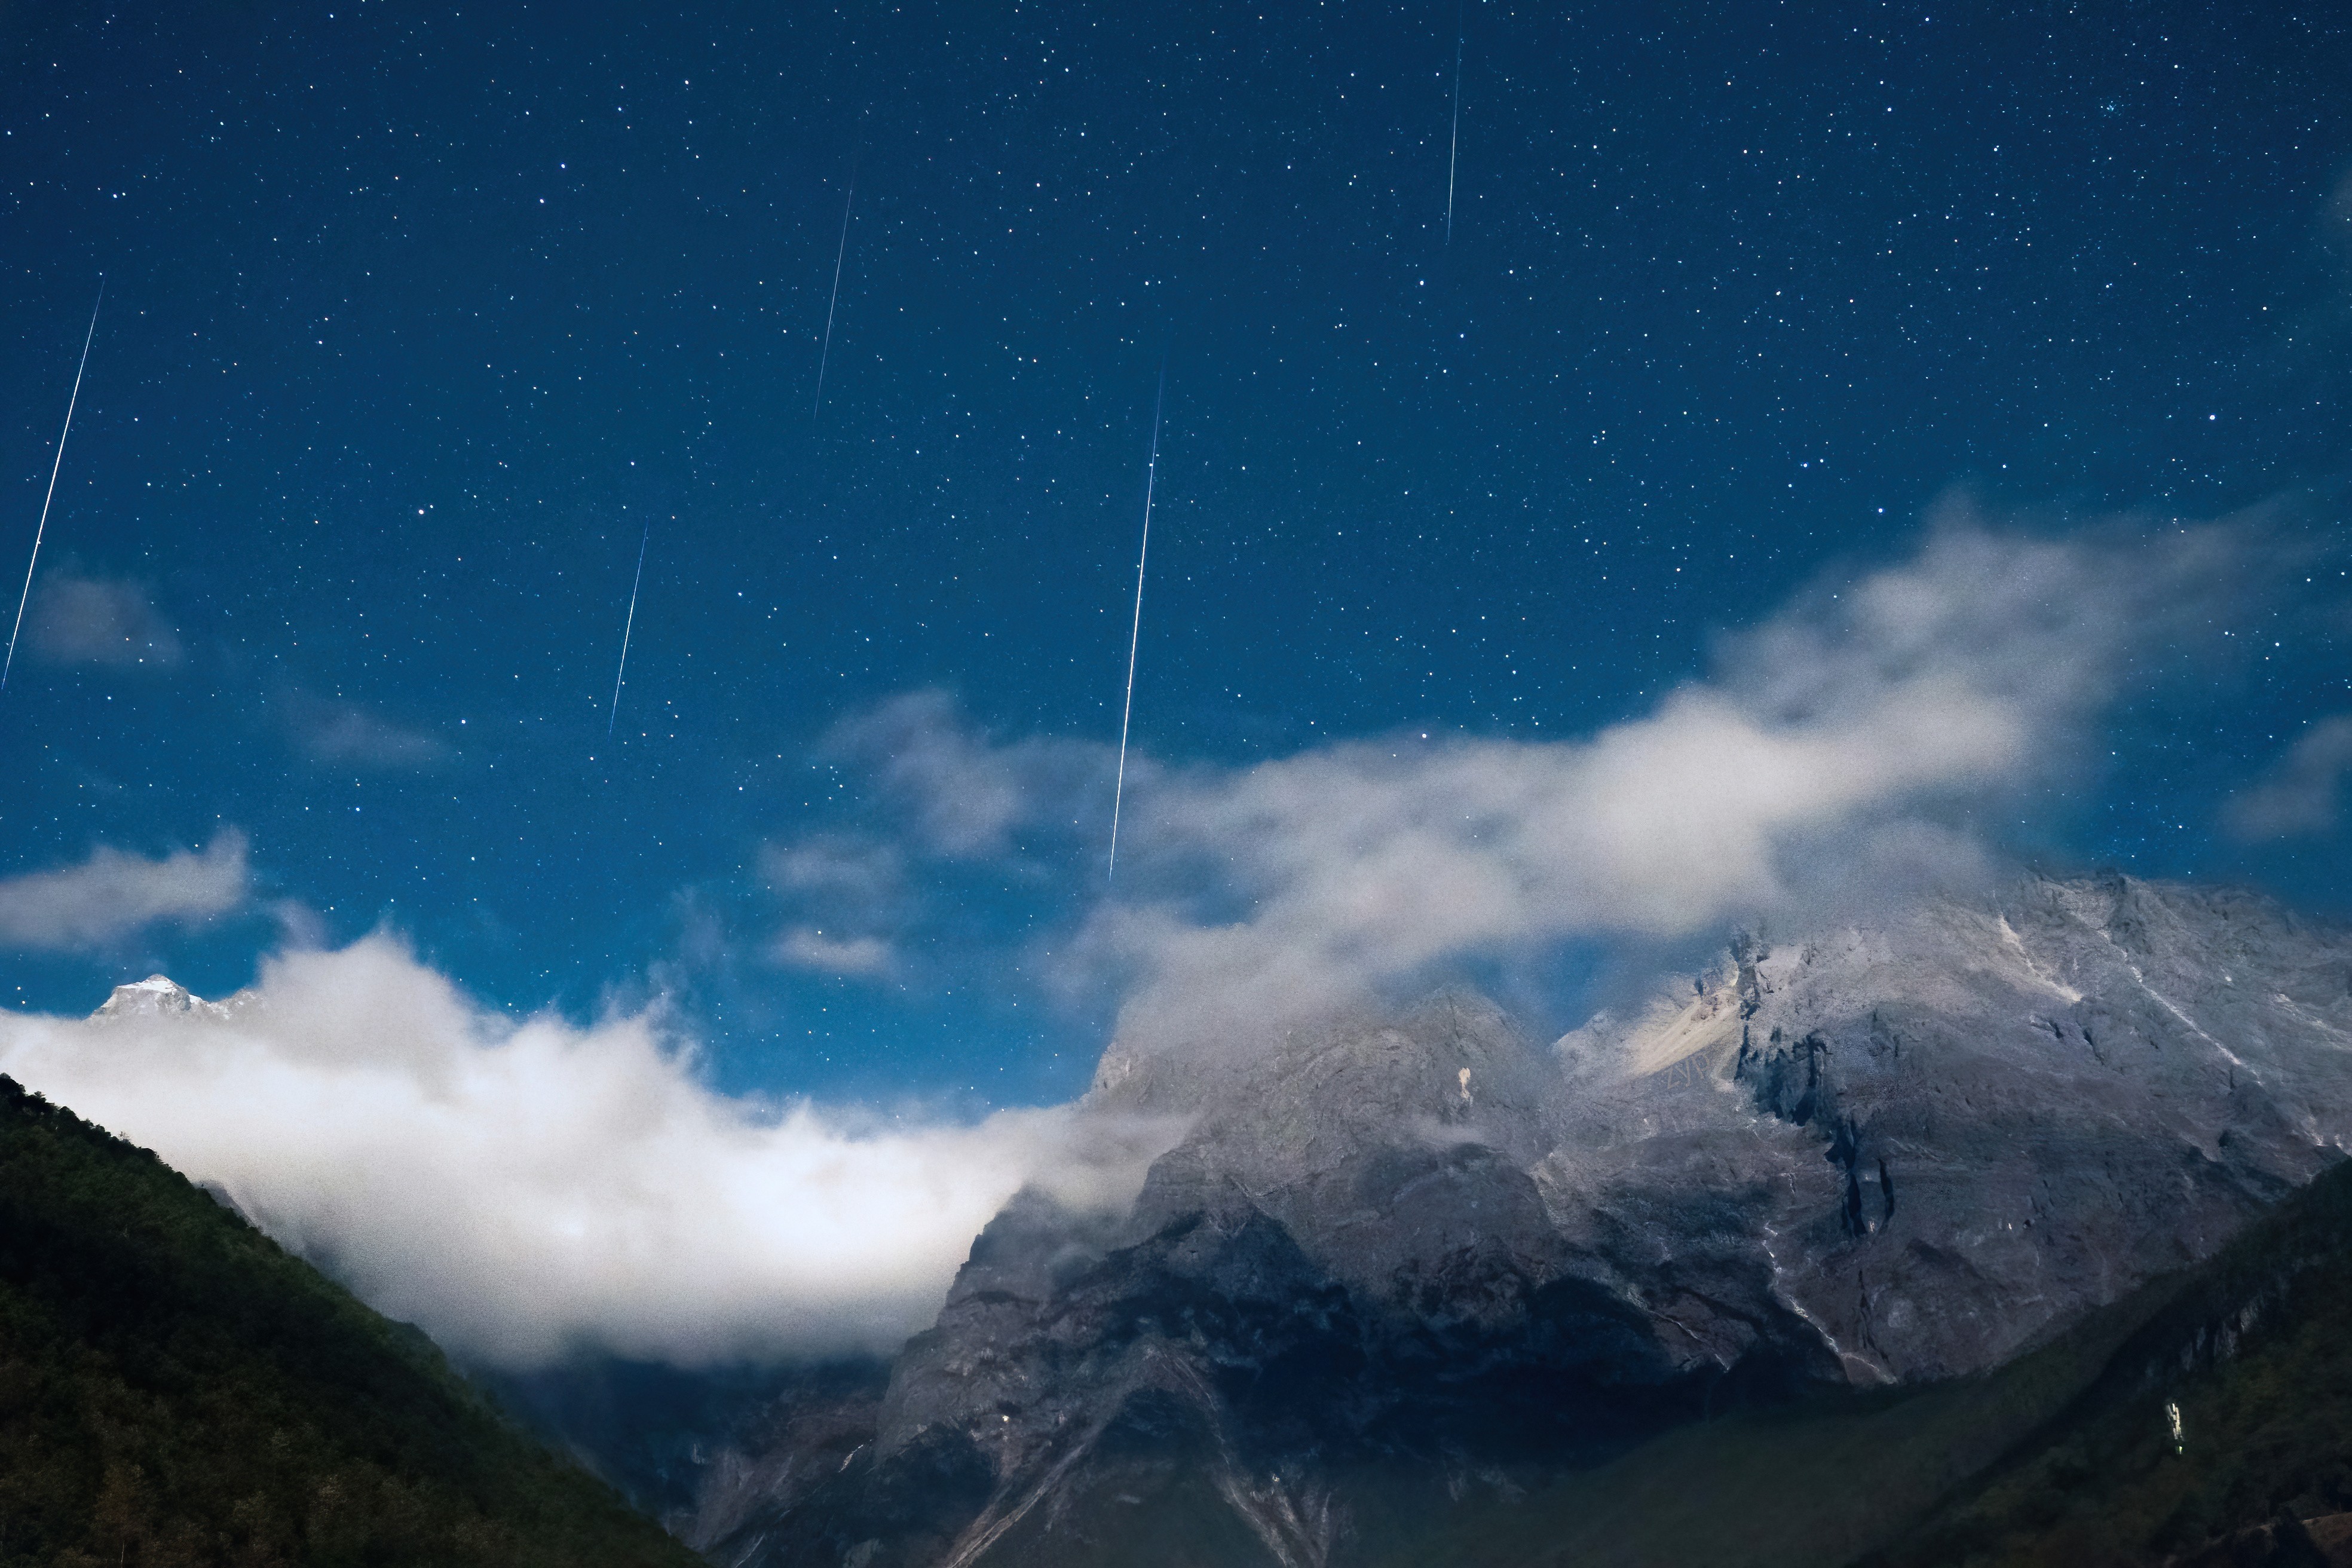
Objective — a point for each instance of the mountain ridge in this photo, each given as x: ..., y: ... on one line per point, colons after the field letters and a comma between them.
x: 1889, y: 1156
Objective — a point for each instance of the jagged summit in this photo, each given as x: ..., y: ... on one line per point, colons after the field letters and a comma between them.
x: 159, y: 995
x: 1961, y: 1127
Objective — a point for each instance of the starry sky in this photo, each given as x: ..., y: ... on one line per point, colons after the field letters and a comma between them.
x: 420, y: 322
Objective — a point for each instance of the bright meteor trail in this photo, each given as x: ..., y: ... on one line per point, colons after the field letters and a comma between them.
x: 626, y: 627
x: 840, y: 250
x: 1454, y: 149
x: 1135, y: 633
x: 54, y: 464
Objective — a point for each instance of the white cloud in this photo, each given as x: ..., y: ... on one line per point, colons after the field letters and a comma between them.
x: 1838, y: 747
x: 959, y: 796
x: 520, y: 1188
x: 344, y: 734
x: 108, y: 897
x: 2298, y: 795
x: 1843, y: 750
x: 98, y: 620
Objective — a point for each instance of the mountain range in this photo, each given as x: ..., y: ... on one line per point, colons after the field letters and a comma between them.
x: 2010, y: 1230
x: 1405, y: 1274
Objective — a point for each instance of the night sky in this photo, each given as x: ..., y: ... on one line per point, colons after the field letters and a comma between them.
x: 419, y: 321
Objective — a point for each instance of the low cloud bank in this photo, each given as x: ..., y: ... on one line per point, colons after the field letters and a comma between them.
x: 521, y: 1189
x: 91, y: 907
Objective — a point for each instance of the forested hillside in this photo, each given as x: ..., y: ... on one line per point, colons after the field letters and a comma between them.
x: 2255, y: 1356
x: 175, y: 1389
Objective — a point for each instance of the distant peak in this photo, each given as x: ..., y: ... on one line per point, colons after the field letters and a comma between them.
x: 159, y: 996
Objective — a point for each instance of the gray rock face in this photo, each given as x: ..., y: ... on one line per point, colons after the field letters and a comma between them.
x: 1384, y: 1149
x: 1885, y: 1155
x: 1957, y: 1131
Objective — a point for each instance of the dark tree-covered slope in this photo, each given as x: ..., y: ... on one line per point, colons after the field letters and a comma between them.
x: 175, y: 1389
x: 2255, y: 1351
x: 2064, y: 1458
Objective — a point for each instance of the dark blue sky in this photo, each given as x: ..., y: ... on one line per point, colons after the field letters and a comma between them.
x: 417, y: 315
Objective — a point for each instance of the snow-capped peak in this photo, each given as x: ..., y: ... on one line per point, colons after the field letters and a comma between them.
x: 159, y: 995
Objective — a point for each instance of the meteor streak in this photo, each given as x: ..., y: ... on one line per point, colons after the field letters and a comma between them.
x: 1453, y: 150
x: 840, y: 250
x: 1135, y: 633
x: 43, y: 527
x: 628, y: 626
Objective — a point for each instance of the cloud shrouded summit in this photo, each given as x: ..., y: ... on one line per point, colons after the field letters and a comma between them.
x: 1844, y: 748
x: 1847, y: 747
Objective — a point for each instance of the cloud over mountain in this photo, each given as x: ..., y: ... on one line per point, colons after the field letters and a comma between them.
x: 1843, y: 747
x: 523, y: 1186
x: 1846, y: 747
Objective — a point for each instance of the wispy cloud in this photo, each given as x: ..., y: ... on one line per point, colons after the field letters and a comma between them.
x: 524, y: 1188
x: 337, y: 733
x: 854, y: 895
x: 89, y: 906
x: 860, y: 873
x: 949, y: 797
x: 862, y: 957
x: 967, y: 795
x: 111, y: 622
x: 2299, y: 793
